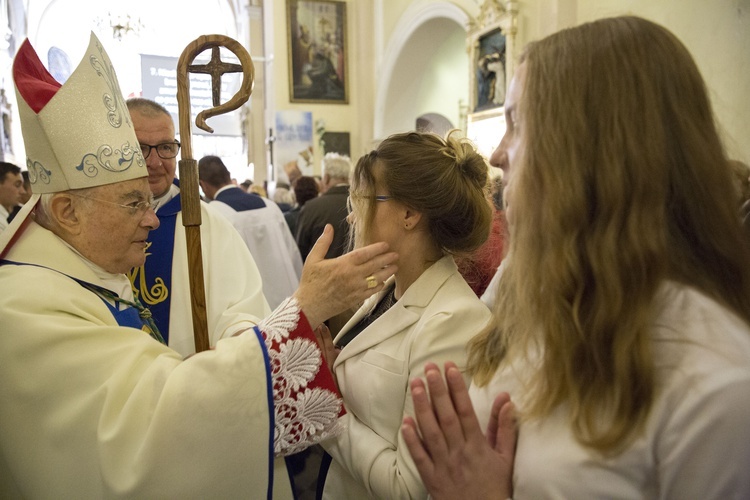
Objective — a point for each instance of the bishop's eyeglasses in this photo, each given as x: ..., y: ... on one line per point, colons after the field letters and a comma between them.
x: 134, y: 208
x: 165, y: 150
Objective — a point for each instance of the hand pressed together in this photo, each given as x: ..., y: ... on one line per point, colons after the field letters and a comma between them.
x: 454, y: 458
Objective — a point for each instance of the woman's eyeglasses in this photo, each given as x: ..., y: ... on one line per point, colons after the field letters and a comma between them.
x: 378, y: 197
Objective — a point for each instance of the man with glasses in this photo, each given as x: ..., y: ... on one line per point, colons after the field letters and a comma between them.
x: 234, y: 293
x: 93, y: 404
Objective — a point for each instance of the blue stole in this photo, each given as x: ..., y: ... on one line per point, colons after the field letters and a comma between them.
x: 152, y: 282
x: 126, y: 317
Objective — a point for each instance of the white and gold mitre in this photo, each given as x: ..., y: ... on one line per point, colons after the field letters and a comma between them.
x: 79, y: 134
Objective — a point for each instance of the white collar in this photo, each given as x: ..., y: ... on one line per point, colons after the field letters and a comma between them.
x: 221, y: 190
x: 166, y: 197
x: 115, y: 282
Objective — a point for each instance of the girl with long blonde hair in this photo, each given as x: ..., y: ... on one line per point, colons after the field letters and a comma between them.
x: 621, y: 327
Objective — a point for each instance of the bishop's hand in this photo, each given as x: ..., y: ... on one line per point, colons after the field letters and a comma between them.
x: 331, y: 286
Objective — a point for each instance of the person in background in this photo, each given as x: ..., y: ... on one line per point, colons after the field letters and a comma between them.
x: 621, y: 328
x: 292, y: 170
x: 11, y: 191
x: 480, y: 266
x: 93, y: 402
x: 261, y: 226
x: 245, y: 185
x: 424, y: 196
x: 283, y: 196
x: 24, y: 197
x: 258, y: 190
x: 329, y: 208
x: 305, y: 189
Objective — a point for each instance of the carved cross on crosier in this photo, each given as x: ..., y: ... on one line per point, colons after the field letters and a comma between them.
x: 216, y: 68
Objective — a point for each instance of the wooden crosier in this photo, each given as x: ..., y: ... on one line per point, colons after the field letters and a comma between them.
x: 191, y: 210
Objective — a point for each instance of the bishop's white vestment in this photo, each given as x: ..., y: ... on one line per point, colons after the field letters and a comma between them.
x: 93, y: 409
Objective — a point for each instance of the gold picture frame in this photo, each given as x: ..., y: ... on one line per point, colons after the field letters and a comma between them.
x: 318, y: 69
x: 491, y: 43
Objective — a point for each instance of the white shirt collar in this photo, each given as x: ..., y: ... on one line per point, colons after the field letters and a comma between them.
x: 166, y: 197
x: 228, y: 186
x: 115, y: 282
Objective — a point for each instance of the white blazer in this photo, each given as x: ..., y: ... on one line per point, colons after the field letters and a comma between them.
x: 433, y: 321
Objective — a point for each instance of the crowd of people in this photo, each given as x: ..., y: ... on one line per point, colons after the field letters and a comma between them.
x: 582, y: 331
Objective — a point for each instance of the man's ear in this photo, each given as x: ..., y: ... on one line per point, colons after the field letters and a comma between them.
x: 65, y: 213
x: 208, y: 189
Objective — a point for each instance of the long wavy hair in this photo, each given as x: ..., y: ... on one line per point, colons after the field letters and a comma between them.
x: 622, y: 183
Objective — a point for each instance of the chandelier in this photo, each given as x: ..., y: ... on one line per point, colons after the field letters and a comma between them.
x: 121, y: 25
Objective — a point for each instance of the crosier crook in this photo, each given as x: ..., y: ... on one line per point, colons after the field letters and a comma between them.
x: 190, y: 198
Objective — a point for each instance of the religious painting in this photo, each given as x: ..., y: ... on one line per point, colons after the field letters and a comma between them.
x: 336, y: 142
x: 293, y: 142
x: 491, y: 42
x: 490, y: 71
x: 318, y: 72
x: 491, y: 38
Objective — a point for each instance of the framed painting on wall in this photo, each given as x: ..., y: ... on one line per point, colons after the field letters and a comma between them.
x: 336, y: 142
x: 318, y: 71
x: 490, y: 71
x: 293, y: 141
x: 491, y: 40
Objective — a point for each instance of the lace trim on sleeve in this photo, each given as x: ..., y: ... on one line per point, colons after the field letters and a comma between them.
x: 305, y: 414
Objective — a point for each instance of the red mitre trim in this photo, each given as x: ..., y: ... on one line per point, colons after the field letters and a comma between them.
x: 33, y: 81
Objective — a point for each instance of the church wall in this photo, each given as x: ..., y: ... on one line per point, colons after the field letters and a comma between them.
x: 717, y: 34
x: 335, y: 117
x: 430, y: 75
x: 422, y: 85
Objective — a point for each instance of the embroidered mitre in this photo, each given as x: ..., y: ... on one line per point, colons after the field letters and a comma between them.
x: 79, y: 134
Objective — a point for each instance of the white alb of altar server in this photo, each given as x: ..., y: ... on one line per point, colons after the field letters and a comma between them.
x: 267, y: 236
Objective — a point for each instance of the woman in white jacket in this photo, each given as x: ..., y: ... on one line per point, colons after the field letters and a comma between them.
x: 426, y: 197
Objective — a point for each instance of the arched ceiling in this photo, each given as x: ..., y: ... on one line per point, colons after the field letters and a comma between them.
x: 425, y: 68
x: 167, y: 27
x: 430, y: 75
